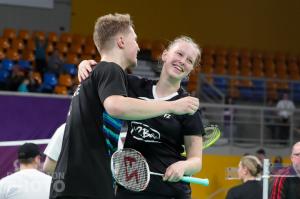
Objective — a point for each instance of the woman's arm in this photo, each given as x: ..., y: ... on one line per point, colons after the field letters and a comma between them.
x: 190, y: 166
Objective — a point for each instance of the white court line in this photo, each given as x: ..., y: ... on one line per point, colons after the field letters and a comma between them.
x: 20, y: 142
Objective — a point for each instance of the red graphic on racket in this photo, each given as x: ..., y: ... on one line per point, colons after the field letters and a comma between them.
x: 130, y: 169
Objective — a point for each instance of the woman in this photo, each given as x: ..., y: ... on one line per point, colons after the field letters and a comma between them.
x: 160, y: 139
x: 249, y: 170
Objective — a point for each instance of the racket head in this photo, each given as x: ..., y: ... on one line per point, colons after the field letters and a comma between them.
x: 130, y: 169
x: 212, y: 134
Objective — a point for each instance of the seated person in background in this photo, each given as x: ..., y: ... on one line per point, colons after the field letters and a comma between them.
x: 249, y: 170
x: 53, y: 149
x: 28, y: 183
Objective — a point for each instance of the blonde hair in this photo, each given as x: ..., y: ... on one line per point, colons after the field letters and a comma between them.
x: 253, y: 164
x: 108, y: 26
x: 190, y: 41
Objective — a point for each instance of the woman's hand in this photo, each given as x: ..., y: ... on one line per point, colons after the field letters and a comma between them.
x: 175, y: 172
x: 84, y: 69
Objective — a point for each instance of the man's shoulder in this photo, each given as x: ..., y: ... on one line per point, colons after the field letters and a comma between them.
x: 101, y: 66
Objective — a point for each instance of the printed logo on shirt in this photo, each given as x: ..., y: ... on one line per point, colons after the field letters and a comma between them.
x: 167, y: 116
x: 145, y: 133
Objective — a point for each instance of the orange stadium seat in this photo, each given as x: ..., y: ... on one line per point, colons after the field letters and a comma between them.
x: 65, y: 37
x: 220, y: 51
x: 233, y: 53
x: 52, y: 38
x: 18, y: 44
x: 30, y: 45
x: 89, y: 50
x: 24, y: 35
x: 12, y: 54
x: 61, y: 90
x: 72, y: 59
x: 40, y: 35
x: 78, y: 39
x: 157, y: 49
x: 62, y: 48
x: 2, y: 54
x: 4, y: 44
x: 245, y: 53
x: 49, y: 48
x: 65, y: 80
x: 145, y: 44
x: 76, y: 49
x: 9, y: 33
x: 29, y: 55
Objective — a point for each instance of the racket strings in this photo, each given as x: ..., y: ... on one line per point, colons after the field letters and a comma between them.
x: 130, y: 170
x: 212, y: 133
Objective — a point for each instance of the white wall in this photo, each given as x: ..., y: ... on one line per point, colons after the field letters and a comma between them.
x: 32, y: 18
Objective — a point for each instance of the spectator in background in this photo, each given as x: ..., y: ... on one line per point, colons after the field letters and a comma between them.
x: 23, y: 87
x: 29, y: 182
x: 288, y: 186
x: 249, y: 170
x: 40, y: 55
x: 55, y: 63
x: 261, y: 155
x: 285, y: 109
x: 277, y: 164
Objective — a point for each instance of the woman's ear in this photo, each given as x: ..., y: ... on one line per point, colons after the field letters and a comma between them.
x: 164, y: 56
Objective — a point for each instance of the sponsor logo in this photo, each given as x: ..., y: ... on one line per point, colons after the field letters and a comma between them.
x: 143, y: 132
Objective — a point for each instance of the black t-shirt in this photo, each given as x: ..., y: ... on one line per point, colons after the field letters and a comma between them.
x: 160, y: 139
x: 84, y: 164
x: 248, y: 190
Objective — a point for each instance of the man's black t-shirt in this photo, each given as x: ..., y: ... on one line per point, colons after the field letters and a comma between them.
x: 160, y: 139
x: 248, y: 190
x: 83, y: 168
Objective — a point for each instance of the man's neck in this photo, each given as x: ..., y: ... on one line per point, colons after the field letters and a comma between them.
x: 115, y: 57
x: 28, y: 166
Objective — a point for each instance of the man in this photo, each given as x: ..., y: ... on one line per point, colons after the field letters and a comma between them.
x: 29, y: 182
x: 83, y: 168
x: 53, y: 149
x: 285, y: 108
x: 288, y: 186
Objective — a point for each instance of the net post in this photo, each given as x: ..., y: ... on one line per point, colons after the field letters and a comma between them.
x: 265, y: 177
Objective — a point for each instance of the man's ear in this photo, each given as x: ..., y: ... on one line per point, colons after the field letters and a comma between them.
x: 120, y: 42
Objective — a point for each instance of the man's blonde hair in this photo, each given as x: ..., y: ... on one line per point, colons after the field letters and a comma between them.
x: 108, y: 26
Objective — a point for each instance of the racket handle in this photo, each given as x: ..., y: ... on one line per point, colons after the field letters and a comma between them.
x: 204, y: 182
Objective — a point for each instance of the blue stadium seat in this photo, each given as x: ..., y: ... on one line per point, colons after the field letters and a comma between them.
x: 221, y: 83
x: 50, y: 79
x: 49, y: 82
x: 4, y: 74
x: 7, y: 64
x: 258, y: 90
x: 24, y: 64
x: 70, y: 69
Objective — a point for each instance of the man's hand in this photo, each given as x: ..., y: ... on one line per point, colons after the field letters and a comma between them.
x: 186, y: 105
x: 84, y: 69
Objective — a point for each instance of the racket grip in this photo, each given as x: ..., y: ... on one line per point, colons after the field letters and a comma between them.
x: 204, y: 182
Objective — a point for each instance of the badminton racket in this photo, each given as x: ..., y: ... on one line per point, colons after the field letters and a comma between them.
x: 130, y: 169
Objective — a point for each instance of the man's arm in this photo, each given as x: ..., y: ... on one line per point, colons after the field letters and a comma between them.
x: 49, y: 166
x: 127, y: 108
